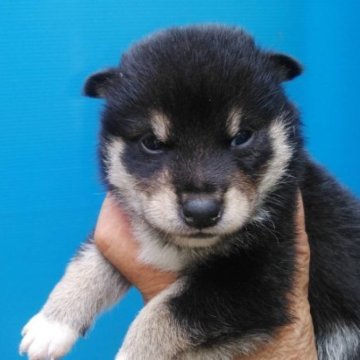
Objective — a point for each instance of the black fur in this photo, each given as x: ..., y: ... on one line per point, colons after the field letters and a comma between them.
x: 97, y: 84
x: 196, y: 75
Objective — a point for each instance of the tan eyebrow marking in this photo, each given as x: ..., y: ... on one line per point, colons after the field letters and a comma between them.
x: 233, y: 122
x: 160, y: 124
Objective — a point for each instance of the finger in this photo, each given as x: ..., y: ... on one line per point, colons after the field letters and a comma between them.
x: 112, y: 228
x: 302, y: 244
x: 300, y: 215
x: 302, y: 251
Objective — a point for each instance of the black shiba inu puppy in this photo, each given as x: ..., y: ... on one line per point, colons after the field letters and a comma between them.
x: 203, y: 149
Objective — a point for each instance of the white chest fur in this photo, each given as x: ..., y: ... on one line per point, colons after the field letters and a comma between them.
x: 160, y: 254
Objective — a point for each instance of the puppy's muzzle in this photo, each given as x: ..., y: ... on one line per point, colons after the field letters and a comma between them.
x: 201, y: 212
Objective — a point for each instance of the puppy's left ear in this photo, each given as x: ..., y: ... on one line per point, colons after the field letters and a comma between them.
x: 285, y: 66
x: 98, y: 85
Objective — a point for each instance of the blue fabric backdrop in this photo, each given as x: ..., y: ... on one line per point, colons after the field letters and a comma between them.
x: 50, y: 189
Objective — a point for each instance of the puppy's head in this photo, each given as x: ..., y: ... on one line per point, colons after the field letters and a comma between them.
x: 196, y: 130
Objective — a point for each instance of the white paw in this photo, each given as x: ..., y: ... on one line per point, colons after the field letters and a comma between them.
x: 122, y: 356
x: 44, y: 339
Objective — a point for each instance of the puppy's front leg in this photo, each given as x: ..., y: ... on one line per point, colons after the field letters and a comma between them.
x: 155, y: 334
x: 90, y: 285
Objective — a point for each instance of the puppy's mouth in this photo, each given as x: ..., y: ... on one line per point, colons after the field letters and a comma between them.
x: 196, y: 240
x: 189, y: 239
x: 186, y: 233
x: 197, y: 235
x: 198, y: 221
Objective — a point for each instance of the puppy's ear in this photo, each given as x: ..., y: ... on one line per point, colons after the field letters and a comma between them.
x: 97, y: 85
x: 285, y: 66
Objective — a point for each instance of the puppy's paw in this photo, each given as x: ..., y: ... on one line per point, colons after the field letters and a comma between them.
x: 123, y: 356
x: 45, y: 339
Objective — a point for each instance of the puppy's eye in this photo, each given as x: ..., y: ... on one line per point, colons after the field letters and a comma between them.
x: 241, y: 138
x: 151, y: 145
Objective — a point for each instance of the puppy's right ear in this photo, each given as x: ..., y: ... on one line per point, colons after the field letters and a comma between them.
x: 97, y: 85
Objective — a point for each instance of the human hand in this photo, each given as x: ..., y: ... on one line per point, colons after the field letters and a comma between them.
x: 295, y: 341
x: 114, y: 239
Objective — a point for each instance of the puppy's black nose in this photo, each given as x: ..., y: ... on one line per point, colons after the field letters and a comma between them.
x: 201, y: 212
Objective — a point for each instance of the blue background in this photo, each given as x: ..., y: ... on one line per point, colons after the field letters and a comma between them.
x: 50, y: 189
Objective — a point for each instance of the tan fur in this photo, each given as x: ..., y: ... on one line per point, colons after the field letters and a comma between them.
x: 233, y: 122
x: 160, y: 125
x: 117, y: 174
x: 243, y: 183
x: 244, y: 346
x: 96, y: 283
x: 90, y: 285
x: 282, y: 153
x: 155, y: 334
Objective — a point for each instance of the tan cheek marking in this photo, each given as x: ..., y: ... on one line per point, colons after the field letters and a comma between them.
x: 243, y: 183
x: 161, y: 209
x: 237, y: 210
x: 160, y: 125
x: 157, y: 182
x: 282, y: 153
x: 116, y: 173
x: 163, y: 202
